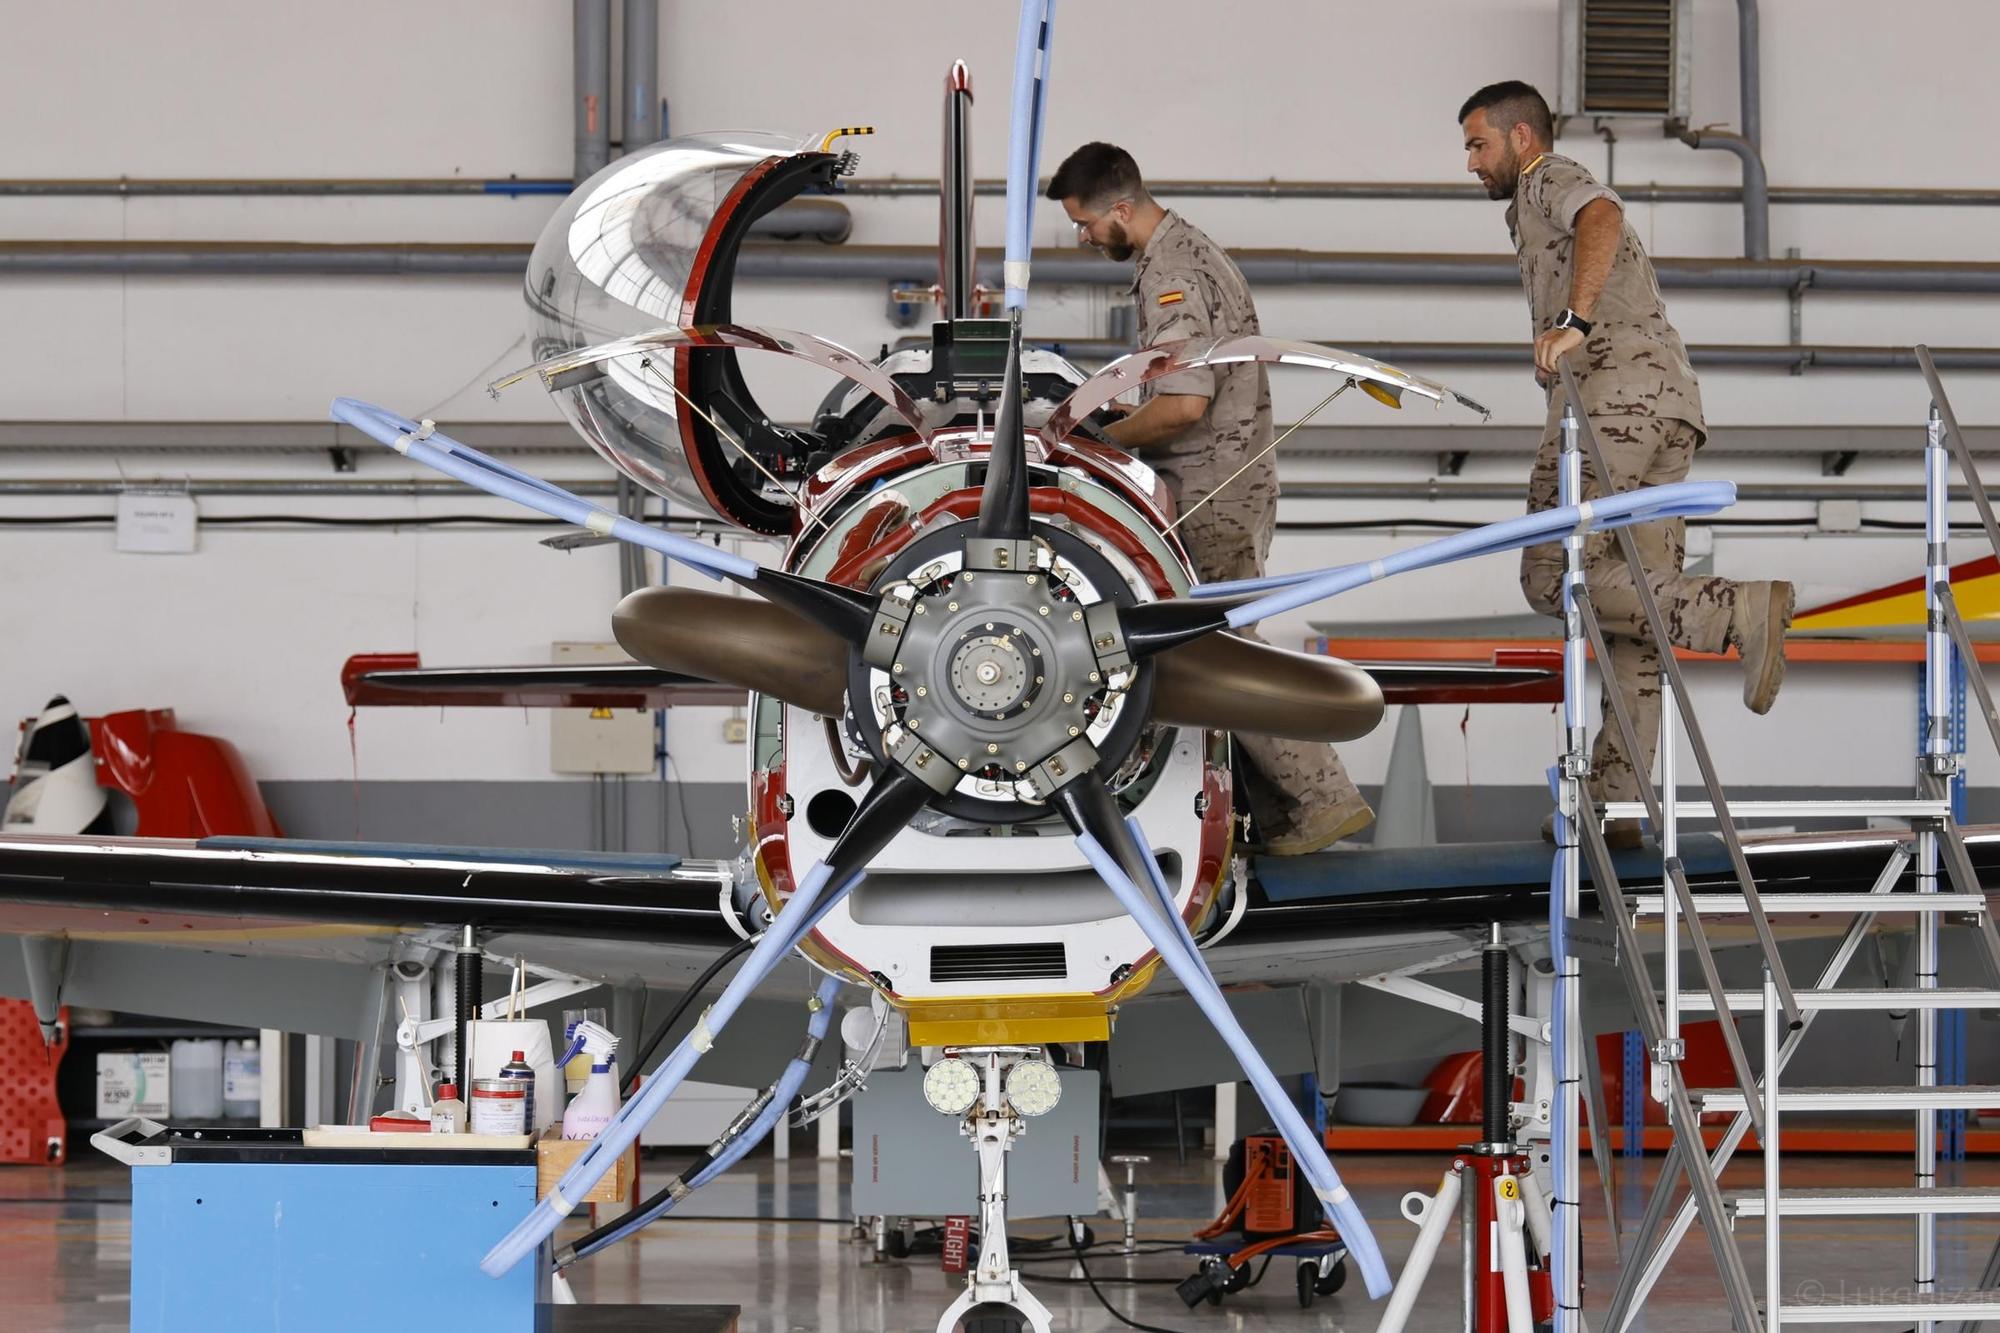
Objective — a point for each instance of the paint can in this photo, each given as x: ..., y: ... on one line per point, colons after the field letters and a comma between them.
x: 499, y: 1106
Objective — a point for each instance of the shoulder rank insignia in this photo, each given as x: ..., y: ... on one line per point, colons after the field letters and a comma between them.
x: 1172, y: 298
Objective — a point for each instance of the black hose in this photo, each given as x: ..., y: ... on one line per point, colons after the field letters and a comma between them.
x: 1497, y: 1041
x: 659, y: 1034
x: 465, y: 1004
x: 1077, y: 1253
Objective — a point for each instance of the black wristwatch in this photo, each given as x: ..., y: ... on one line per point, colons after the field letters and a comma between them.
x: 1569, y: 319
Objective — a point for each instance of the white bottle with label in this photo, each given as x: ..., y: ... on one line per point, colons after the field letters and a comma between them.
x: 242, y: 1080
x: 448, y: 1111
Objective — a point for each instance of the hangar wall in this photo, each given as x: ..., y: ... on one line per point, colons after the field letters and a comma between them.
x: 1344, y: 91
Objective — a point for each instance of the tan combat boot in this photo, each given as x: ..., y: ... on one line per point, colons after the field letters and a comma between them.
x: 1757, y: 628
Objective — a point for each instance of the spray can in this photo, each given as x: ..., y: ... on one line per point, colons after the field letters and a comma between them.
x: 518, y: 1068
x: 499, y: 1106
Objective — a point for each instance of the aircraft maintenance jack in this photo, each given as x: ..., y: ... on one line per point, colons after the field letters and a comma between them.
x: 1274, y: 1220
x: 1499, y: 1199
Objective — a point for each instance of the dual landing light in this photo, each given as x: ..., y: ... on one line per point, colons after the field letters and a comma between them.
x: 952, y: 1085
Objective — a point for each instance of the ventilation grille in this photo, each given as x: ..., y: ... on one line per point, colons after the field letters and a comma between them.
x: 1628, y: 57
x: 997, y: 962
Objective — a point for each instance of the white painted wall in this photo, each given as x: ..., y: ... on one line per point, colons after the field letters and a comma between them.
x: 246, y: 637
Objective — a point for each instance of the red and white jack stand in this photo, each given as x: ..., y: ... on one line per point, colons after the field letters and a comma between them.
x: 1503, y: 1213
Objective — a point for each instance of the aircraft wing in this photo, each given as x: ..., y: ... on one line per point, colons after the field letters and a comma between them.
x: 295, y: 935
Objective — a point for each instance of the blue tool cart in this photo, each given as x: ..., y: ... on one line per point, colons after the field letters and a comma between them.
x: 252, y: 1229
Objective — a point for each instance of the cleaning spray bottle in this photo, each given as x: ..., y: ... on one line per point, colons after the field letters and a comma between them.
x: 592, y: 1109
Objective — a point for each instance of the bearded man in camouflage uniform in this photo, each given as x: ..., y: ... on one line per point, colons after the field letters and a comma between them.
x: 1592, y: 292
x: 1197, y: 429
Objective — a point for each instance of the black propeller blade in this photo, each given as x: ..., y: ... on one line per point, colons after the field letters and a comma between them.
x: 837, y: 610
x: 1154, y: 627
x: 886, y: 810
x: 1088, y: 806
x: 1003, y: 501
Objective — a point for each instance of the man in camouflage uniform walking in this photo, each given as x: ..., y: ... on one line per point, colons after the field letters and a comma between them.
x: 1196, y: 429
x: 1591, y: 290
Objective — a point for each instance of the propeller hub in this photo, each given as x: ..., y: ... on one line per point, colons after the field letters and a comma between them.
x: 994, y: 673
x: 991, y: 672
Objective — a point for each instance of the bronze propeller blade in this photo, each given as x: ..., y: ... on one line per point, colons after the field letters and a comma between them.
x: 1218, y: 681
x: 1231, y: 684
x: 735, y: 641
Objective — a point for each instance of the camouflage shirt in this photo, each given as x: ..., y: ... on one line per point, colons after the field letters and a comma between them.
x: 1185, y: 286
x: 1632, y: 363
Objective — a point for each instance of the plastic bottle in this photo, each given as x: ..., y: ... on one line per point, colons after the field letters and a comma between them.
x: 592, y: 1108
x: 448, y: 1111
x: 518, y: 1067
x: 194, y: 1082
x: 242, y: 1082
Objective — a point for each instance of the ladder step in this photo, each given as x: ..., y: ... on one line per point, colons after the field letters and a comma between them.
x: 1963, y: 1200
x: 1907, y: 808
x: 1732, y: 904
x: 1969, y: 1098
x: 1966, y: 1306
x: 1875, y: 1001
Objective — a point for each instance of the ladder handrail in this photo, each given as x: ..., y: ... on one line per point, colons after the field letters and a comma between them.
x: 1969, y: 654
x: 1759, y: 921
x: 1636, y: 1279
x: 1955, y: 440
x: 1673, y: 872
x: 1704, y: 1193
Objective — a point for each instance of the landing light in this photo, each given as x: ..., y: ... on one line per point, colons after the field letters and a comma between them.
x: 951, y: 1086
x: 1033, y: 1087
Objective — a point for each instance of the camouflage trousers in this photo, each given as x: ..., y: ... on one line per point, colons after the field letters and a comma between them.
x: 1639, y: 451
x: 1299, y: 793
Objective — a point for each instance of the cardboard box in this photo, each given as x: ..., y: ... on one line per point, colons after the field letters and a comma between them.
x: 132, y: 1083
x: 555, y: 1155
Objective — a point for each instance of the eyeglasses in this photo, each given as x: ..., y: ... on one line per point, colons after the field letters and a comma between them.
x: 1083, y: 228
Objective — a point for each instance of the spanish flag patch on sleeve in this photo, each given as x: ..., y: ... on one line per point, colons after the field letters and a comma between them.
x: 1172, y: 298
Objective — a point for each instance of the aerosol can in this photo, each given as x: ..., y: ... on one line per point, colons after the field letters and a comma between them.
x: 591, y: 1110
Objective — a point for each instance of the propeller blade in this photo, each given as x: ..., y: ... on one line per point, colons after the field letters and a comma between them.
x: 886, y: 810
x: 1003, y: 501
x: 1154, y: 627
x: 735, y: 641
x: 1088, y: 807
x: 1231, y: 684
x: 842, y: 612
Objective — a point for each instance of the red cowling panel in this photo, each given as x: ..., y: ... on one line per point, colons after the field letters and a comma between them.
x: 184, y: 785
x: 32, y: 1130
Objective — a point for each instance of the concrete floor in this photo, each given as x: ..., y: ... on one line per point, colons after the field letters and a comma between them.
x: 65, y: 1247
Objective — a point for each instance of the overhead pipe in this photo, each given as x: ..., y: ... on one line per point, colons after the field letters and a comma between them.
x: 1777, y: 356
x: 642, y: 74
x: 1843, y: 195
x: 125, y: 187
x: 1756, y: 189
x: 1333, y: 268
x: 1429, y: 489
x: 1749, y: 75
x: 1747, y: 146
x: 592, y: 96
x: 886, y: 263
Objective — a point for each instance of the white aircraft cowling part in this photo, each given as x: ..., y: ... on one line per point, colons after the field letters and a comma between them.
x: 55, y: 783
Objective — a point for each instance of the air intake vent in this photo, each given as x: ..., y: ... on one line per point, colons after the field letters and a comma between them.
x: 1625, y: 59
x: 998, y: 962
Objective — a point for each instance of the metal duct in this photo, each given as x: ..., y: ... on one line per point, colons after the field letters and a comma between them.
x: 1439, y: 489
x: 592, y: 97
x: 1773, y: 356
x: 1756, y: 189
x: 916, y: 264
x: 641, y: 91
x: 915, y: 187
